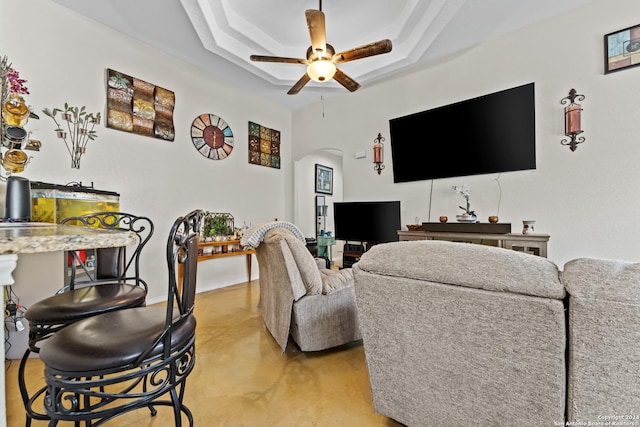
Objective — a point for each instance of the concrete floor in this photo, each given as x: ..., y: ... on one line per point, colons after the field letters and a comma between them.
x: 241, y: 379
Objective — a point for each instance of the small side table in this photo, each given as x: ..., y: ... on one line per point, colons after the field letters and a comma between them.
x: 324, y: 247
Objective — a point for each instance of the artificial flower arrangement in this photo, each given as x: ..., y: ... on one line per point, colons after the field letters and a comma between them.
x: 465, y: 191
x: 16, y: 84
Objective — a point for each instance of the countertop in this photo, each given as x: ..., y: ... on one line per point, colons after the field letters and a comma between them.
x: 35, y: 237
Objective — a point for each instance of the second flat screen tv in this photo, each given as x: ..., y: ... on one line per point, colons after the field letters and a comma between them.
x: 372, y: 222
x: 488, y: 134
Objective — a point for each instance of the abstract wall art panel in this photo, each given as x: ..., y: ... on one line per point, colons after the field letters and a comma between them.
x: 136, y: 106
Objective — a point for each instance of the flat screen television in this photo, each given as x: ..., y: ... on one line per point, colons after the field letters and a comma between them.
x: 372, y: 222
x: 488, y: 134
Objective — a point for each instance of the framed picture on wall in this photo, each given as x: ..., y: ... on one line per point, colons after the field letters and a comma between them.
x: 324, y: 179
x: 622, y: 49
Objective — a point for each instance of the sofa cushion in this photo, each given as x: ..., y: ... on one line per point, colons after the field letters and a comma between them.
x: 469, y: 265
x: 333, y: 280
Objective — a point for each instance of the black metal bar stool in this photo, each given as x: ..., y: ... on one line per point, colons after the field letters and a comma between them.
x: 113, y: 363
x: 113, y: 283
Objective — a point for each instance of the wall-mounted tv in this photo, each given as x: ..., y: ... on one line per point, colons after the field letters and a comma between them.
x: 488, y: 134
x: 372, y: 222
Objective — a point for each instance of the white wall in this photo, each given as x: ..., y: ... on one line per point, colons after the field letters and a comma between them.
x: 584, y: 199
x: 63, y: 56
x: 305, y: 198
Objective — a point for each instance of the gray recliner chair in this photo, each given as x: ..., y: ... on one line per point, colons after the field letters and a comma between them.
x: 299, y: 296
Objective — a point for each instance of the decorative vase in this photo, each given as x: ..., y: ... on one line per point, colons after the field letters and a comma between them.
x: 528, y: 227
x: 493, y: 219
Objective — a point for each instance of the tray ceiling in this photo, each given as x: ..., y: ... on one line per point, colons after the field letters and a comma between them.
x: 219, y: 35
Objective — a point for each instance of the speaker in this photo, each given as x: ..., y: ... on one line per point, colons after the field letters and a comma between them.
x: 17, y: 204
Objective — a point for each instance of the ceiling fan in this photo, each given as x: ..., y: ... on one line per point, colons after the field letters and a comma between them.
x: 321, y: 58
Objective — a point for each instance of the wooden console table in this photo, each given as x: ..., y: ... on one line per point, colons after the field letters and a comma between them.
x: 220, y: 250
x: 530, y: 243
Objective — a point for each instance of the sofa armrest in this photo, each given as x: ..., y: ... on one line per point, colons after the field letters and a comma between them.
x: 611, y: 280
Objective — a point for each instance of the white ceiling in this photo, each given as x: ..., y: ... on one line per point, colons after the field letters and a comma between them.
x: 220, y: 35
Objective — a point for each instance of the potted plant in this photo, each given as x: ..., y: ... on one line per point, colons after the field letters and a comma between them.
x: 468, y: 215
x: 217, y: 226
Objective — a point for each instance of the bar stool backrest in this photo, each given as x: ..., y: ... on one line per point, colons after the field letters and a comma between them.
x: 120, y: 264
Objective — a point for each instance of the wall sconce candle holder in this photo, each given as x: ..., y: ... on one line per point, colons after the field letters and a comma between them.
x: 572, y: 116
x: 378, y: 153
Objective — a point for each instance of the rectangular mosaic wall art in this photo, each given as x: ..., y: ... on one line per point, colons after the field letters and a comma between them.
x: 264, y: 146
x: 136, y: 106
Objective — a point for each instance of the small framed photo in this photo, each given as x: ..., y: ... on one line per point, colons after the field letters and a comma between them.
x: 622, y: 49
x: 324, y: 179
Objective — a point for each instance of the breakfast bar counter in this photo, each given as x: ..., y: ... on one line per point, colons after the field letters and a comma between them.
x: 36, y: 237
x: 33, y: 237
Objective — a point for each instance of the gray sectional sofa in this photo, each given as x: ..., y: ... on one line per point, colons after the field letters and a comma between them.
x: 459, y: 334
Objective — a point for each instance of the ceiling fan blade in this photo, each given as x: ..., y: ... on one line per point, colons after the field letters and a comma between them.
x: 262, y: 58
x: 346, y: 81
x: 371, y: 49
x: 299, y: 84
x: 317, y: 31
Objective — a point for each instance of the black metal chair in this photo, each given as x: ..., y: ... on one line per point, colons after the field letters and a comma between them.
x: 112, y: 283
x: 117, y: 362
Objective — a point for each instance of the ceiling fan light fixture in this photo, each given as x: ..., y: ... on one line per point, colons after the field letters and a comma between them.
x: 321, y: 70
x: 322, y: 58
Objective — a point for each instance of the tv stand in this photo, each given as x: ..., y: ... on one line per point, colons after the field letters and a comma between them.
x: 535, y: 244
x: 351, y: 253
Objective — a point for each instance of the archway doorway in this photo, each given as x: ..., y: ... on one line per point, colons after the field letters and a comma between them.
x: 304, y: 189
